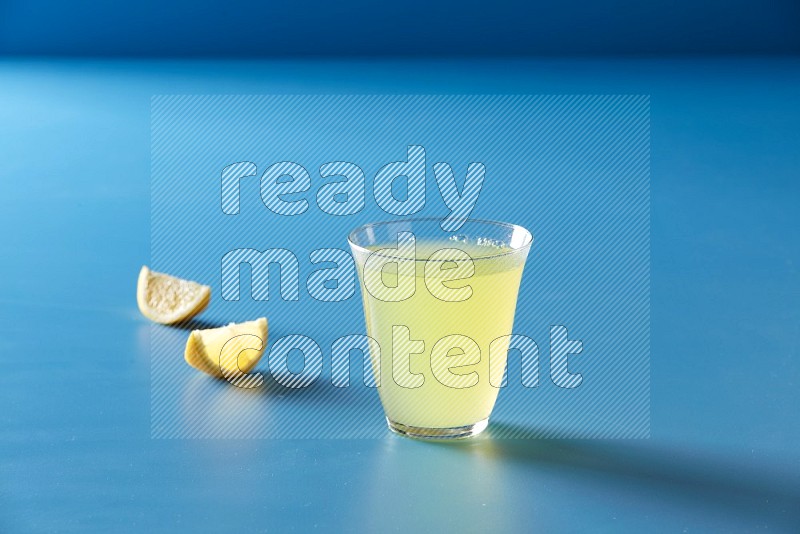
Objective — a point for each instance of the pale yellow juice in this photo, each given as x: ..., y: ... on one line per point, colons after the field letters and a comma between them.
x: 488, y: 314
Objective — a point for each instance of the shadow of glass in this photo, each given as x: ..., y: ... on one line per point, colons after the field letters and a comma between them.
x: 667, y: 474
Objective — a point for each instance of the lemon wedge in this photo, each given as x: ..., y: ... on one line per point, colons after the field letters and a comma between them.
x: 166, y: 299
x: 228, y: 351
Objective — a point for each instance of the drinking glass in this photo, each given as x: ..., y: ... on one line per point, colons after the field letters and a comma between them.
x: 440, y: 308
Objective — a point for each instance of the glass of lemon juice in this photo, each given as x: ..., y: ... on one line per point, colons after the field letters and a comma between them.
x: 440, y: 307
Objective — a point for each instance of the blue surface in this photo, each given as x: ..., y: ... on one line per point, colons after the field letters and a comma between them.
x: 418, y: 28
x: 75, y: 447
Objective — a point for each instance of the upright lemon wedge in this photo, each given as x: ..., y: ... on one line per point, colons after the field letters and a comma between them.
x: 166, y: 299
x: 228, y: 351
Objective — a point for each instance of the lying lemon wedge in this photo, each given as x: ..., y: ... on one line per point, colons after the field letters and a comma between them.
x: 166, y: 299
x: 228, y: 351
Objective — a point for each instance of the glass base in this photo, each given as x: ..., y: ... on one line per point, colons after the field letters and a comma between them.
x: 456, y: 432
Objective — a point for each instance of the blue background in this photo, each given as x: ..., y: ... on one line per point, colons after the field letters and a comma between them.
x: 75, y: 447
x: 420, y: 28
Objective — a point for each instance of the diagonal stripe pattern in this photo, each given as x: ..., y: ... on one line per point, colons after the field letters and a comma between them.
x: 574, y: 169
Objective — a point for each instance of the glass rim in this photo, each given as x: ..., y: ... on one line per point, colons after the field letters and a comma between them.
x: 511, y: 226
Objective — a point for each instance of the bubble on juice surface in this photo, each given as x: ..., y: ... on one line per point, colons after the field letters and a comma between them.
x: 483, y: 242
